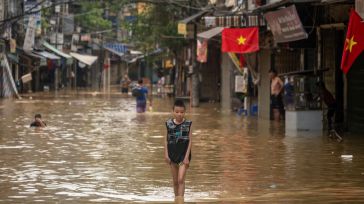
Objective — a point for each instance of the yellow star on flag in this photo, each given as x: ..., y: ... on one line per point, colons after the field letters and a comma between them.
x: 350, y: 43
x: 241, y: 40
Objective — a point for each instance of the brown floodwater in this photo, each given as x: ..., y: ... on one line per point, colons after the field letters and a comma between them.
x: 97, y: 149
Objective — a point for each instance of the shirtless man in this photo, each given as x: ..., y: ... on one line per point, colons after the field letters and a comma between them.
x: 276, y: 97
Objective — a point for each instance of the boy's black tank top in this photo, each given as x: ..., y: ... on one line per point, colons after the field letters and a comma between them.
x: 178, y: 137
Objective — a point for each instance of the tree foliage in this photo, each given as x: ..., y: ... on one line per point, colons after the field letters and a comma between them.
x: 157, y: 26
x: 92, y: 16
x: 154, y: 28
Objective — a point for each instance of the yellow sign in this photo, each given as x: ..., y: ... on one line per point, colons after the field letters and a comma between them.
x: 182, y: 28
x: 142, y: 8
x: 12, y: 45
x: 168, y: 64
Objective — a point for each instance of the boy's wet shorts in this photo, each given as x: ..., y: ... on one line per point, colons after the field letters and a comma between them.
x: 141, y: 106
x: 179, y: 161
x: 276, y: 102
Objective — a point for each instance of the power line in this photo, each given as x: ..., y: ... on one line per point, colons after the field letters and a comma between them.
x: 29, y: 11
x: 185, y: 6
x: 170, y: 2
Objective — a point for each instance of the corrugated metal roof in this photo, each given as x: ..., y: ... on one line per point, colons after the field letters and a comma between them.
x: 116, y: 48
x: 193, y: 17
x: 55, y: 50
x: 86, y: 59
x: 210, y: 33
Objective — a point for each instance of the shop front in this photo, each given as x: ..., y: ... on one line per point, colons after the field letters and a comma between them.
x: 294, y: 56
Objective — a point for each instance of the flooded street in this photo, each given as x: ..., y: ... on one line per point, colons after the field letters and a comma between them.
x: 97, y: 149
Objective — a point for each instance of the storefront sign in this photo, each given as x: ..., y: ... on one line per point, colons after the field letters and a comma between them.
x: 68, y: 27
x: 182, y: 28
x: 186, y: 29
x: 30, y: 34
x: 75, y: 40
x: 202, y: 51
x: 26, y: 78
x: 241, y: 82
x: 286, y: 25
x: 2, y: 10
x: 86, y: 38
x: 30, y: 7
x: 240, y: 21
x: 168, y: 64
x: 56, y: 38
x: 12, y: 45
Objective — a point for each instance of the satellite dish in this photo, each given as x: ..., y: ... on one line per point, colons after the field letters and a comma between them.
x: 81, y: 65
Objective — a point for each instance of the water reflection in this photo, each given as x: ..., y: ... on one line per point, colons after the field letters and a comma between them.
x: 97, y: 149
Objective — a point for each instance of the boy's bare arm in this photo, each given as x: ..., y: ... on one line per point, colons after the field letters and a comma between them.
x: 42, y: 124
x: 166, y: 157
x: 187, y: 156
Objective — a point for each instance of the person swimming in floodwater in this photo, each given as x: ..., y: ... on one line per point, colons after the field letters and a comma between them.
x: 38, y: 122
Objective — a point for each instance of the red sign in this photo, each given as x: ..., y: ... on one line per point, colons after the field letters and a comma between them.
x: 202, y: 51
x: 286, y: 25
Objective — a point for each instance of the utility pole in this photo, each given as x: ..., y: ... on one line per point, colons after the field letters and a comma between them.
x: 195, y: 95
x: 108, y: 73
x: 151, y: 85
x: 104, y: 74
x: 57, y: 10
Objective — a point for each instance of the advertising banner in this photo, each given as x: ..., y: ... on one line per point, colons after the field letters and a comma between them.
x: 286, y: 25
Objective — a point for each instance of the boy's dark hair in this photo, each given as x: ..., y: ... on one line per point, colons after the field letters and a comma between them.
x: 38, y: 115
x: 140, y: 81
x: 273, y: 71
x: 179, y: 103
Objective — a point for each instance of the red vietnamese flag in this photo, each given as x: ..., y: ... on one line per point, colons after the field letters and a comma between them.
x: 354, y: 42
x: 240, y: 40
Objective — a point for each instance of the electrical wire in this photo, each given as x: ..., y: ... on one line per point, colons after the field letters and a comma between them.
x: 185, y: 6
x: 29, y: 11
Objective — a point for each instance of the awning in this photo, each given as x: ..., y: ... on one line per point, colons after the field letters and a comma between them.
x: 116, y: 48
x: 281, y: 3
x: 193, y: 17
x: 42, y: 60
x: 47, y: 55
x: 135, y: 52
x: 210, y: 33
x: 86, y: 59
x: 134, y: 58
x: 13, y: 57
x: 31, y: 54
x: 58, y: 52
x: 182, y: 24
x: 328, y: 2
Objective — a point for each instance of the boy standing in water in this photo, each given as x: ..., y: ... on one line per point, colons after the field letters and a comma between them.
x: 142, y: 97
x: 177, y: 147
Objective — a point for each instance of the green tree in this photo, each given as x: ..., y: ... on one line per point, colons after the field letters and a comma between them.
x: 91, y: 17
x: 157, y: 27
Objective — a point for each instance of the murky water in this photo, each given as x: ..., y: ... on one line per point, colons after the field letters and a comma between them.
x: 97, y: 149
